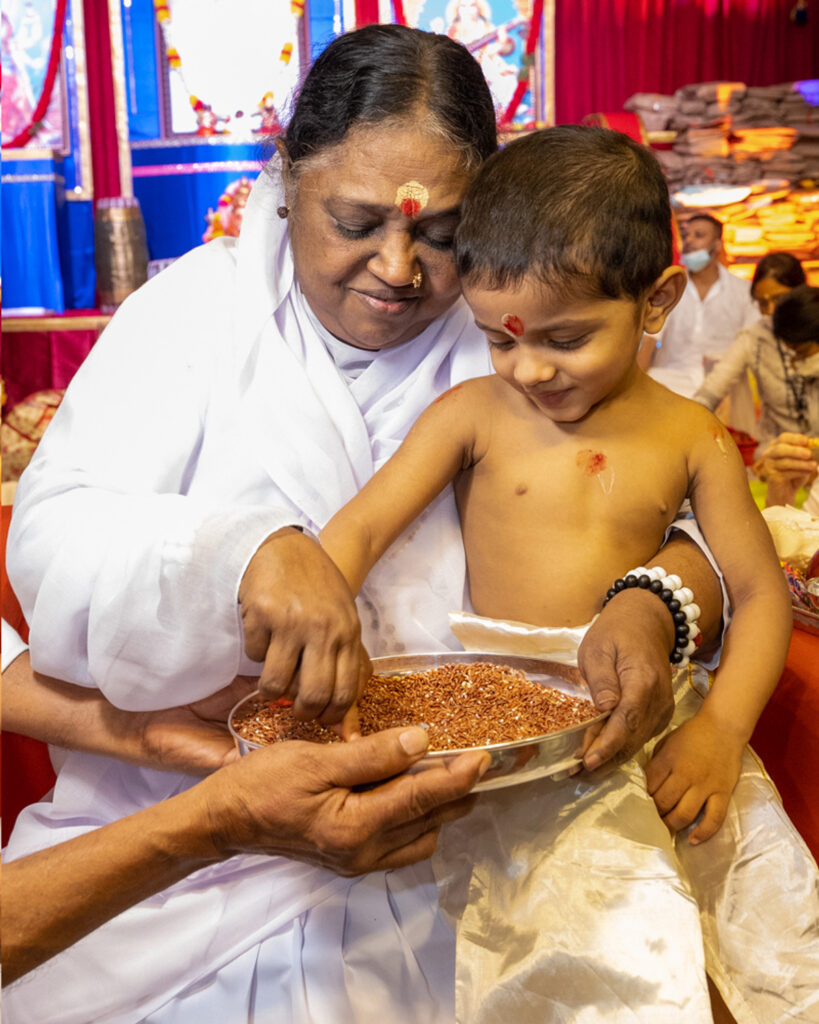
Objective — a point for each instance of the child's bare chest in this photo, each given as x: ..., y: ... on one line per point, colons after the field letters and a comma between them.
x: 643, y: 480
x: 548, y: 526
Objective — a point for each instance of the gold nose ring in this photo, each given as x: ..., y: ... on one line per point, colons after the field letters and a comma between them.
x: 418, y: 280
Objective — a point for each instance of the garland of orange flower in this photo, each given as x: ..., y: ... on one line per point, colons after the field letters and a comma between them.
x: 39, y: 111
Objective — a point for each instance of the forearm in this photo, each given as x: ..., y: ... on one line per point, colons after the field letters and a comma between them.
x: 52, y: 898
x: 348, y: 544
x: 68, y: 716
x: 682, y: 557
x: 754, y: 653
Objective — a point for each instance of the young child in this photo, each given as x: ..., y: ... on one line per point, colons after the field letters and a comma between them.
x: 569, y: 463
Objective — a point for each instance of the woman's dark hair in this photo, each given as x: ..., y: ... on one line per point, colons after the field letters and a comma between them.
x: 782, y: 267
x: 583, y: 208
x: 381, y: 72
x: 796, y: 318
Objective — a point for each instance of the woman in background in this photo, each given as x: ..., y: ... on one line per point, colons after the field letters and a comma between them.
x: 758, y: 349
x: 790, y: 460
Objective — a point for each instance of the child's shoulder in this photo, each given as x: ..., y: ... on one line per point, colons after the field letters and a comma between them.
x: 686, y: 420
x: 671, y: 407
x: 467, y: 392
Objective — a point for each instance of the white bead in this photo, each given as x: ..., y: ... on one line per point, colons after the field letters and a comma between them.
x: 672, y: 582
x: 692, y: 611
x: 685, y: 595
x: 689, y: 648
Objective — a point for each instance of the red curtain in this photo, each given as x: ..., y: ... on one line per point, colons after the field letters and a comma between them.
x: 101, y: 110
x: 606, y: 50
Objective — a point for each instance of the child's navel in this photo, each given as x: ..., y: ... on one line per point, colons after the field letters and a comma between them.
x: 521, y: 489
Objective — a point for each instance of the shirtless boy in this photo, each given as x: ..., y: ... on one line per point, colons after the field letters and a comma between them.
x: 569, y: 463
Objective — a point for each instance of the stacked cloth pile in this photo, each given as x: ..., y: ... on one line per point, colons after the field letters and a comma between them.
x: 734, y: 134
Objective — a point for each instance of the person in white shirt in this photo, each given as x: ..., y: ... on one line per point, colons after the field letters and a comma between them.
x: 715, y: 306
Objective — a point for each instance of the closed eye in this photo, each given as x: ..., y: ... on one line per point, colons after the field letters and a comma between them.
x: 568, y: 345
x: 442, y: 243
x: 354, y: 233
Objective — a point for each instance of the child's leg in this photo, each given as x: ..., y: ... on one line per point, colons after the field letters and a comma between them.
x: 574, y: 911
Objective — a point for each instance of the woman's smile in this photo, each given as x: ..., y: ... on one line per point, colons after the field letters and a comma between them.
x: 377, y: 273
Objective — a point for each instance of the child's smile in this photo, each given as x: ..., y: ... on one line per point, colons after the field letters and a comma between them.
x: 564, y: 356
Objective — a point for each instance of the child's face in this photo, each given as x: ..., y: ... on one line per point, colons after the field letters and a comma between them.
x: 564, y: 355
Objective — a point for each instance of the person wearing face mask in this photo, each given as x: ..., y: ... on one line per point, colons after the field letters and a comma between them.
x: 758, y: 349
x: 714, y: 307
x: 790, y: 460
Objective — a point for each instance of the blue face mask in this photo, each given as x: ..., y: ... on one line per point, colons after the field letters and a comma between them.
x: 696, y: 260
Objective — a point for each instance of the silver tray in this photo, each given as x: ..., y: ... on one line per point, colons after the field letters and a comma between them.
x: 511, y: 763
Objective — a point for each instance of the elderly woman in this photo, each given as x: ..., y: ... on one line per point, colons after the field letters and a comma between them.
x: 161, y: 544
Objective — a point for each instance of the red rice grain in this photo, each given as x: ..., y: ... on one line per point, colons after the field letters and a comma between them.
x: 461, y: 705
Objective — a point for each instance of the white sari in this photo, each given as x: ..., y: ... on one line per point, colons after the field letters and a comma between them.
x: 210, y: 414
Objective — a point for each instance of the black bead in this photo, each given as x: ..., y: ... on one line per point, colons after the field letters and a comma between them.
x: 631, y: 581
x: 655, y: 586
x: 682, y: 635
x: 675, y: 657
x: 619, y: 585
x: 667, y: 595
x: 674, y: 605
x: 680, y: 617
x: 610, y: 593
x: 644, y: 582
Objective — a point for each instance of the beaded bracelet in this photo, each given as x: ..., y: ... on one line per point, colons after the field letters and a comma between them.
x: 678, y: 599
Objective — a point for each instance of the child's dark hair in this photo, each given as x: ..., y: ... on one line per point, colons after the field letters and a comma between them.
x: 780, y: 266
x: 581, y: 207
x: 796, y: 318
x: 381, y: 72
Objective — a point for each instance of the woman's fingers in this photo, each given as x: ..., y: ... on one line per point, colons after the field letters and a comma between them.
x: 300, y: 620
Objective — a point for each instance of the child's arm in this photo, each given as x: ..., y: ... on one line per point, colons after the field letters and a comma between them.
x: 698, y: 765
x: 437, y: 447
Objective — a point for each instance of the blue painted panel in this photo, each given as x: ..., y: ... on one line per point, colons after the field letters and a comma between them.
x: 31, y: 254
x: 141, y: 72
x: 175, y: 206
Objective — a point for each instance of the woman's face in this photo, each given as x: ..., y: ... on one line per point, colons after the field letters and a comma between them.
x: 767, y: 293
x: 367, y: 217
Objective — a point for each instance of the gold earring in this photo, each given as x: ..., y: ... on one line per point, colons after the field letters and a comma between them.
x: 418, y: 280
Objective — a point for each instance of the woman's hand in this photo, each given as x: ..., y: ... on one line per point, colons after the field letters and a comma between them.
x: 786, y: 464
x: 695, y: 769
x: 624, y: 659
x: 624, y: 655
x: 193, y: 739
x: 300, y: 620
x: 303, y: 800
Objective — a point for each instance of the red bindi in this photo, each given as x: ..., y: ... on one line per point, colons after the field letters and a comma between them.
x: 513, y: 324
x: 411, y: 198
x: 410, y: 207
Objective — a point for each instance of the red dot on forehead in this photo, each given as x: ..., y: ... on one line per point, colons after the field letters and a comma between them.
x: 411, y: 198
x: 513, y: 324
x: 410, y: 207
